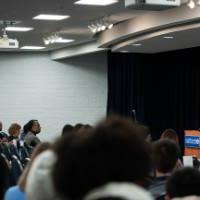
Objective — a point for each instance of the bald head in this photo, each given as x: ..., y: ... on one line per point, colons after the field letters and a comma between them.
x: 1, y: 126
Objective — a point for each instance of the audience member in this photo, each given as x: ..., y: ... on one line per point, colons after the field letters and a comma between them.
x: 184, y: 183
x: 39, y: 182
x: 2, y: 134
x: 165, y: 158
x: 78, y: 126
x: 1, y: 126
x: 4, y: 179
x: 146, y: 133
x: 171, y: 135
x: 67, y: 129
x: 111, y: 153
x: 31, y: 129
x: 17, y: 192
x: 14, y: 131
x: 119, y: 191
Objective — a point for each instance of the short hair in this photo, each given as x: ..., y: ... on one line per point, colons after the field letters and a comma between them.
x: 67, y: 129
x: 13, y: 127
x: 165, y: 155
x: 111, y: 152
x: 184, y: 182
x: 146, y: 130
x: 170, y: 134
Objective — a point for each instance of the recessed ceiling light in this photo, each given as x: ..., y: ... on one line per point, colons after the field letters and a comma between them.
x: 96, y: 2
x: 51, y: 17
x: 168, y: 37
x: 18, y: 29
x: 62, y: 40
x: 136, y: 44
x: 32, y: 47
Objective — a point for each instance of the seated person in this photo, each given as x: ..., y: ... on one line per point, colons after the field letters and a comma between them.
x: 3, y: 136
x: 184, y: 183
x: 67, y: 129
x: 18, y: 192
x: 14, y: 131
x: 112, y: 155
x: 170, y: 134
x: 165, y: 158
x: 4, y: 180
x: 31, y: 130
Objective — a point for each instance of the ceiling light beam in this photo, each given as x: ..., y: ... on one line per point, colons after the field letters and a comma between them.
x: 96, y: 2
x: 51, y: 17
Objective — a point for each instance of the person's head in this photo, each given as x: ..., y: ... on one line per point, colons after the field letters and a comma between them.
x: 37, y: 151
x: 84, y: 128
x: 170, y: 134
x: 4, y: 180
x: 14, y: 129
x: 184, y: 182
x: 111, y: 152
x: 32, y: 126
x: 1, y: 126
x: 67, y: 129
x: 165, y: 155
x: 78, y: 126
x: 146, y: 133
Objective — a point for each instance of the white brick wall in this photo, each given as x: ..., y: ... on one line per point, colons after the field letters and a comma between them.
x: 55, y: 93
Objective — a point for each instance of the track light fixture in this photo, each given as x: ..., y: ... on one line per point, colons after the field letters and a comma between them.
x: 100, y: 25
x: 55, y: 38
x: 193, y: 3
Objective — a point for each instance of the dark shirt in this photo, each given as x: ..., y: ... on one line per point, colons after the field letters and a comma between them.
x: 3, y: 135
x: 11, y: 138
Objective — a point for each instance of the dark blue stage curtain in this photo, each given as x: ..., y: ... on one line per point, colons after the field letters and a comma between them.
x: 164, y: 89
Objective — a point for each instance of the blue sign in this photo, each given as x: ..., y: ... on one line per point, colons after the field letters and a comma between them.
x: 192, y: 141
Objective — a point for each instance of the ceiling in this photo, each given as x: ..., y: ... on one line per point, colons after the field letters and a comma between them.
x: 178, y: 40
x: 72, y: 28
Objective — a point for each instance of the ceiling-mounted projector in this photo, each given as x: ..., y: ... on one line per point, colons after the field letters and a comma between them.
x: 152, y: 4
x: 7, y: 43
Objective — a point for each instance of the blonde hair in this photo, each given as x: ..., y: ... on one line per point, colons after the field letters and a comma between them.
x: 13, y: 128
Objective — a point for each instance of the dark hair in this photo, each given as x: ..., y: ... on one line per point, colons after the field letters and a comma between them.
x: 145, y: 133
x: 165, y: 155
x: 84, y: 128
x: 78, y: 126
x: 4, y: 180
x: 29, y: 125
x: 67, y: 129
x: 184, y: 182
x: 170, y: 134
x: 1, y: 126
x: 111, y: 152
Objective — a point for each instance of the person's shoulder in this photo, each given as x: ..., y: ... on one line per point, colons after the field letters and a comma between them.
x: 188, y: 198
x: 39, y: 178
x: 45, y: 160
x: 29, y: 136
x: 13, y: 193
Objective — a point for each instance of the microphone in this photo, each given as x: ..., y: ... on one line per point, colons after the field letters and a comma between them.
x: 134, y: 114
